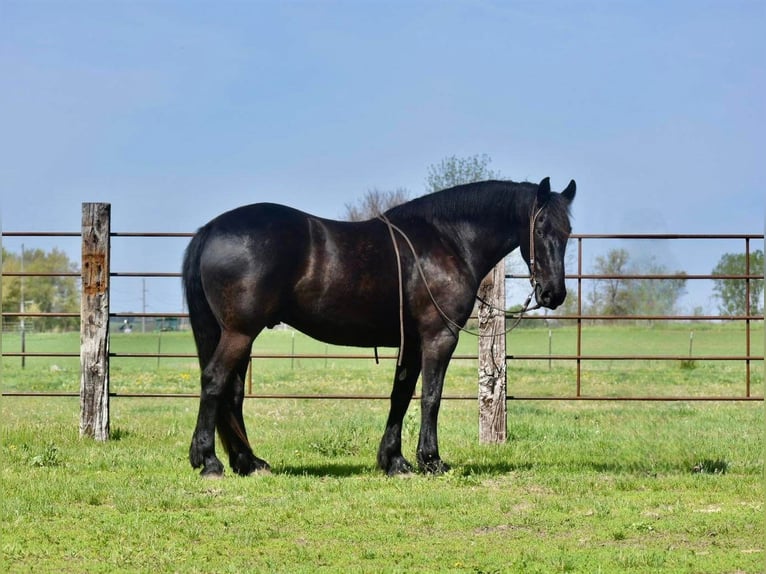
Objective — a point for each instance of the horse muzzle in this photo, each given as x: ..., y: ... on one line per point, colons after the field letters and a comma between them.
x: 549, y: 296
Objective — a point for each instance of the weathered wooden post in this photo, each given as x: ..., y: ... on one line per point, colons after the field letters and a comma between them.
x: 492, y: 373
x: 94, y: 321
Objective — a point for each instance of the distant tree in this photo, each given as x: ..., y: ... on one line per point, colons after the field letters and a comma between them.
x: 449, y: 172
x: 453, y: 170
x: 375, y: 202
x: 42, y: 294
x: 612, y: 296
x: 657, y: 296
x: 731, y: 292
x: 616, y: 295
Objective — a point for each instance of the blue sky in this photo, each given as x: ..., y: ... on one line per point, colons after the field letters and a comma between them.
x: 176, y: 111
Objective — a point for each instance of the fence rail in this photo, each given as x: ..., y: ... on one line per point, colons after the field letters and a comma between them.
x: 582, y: 320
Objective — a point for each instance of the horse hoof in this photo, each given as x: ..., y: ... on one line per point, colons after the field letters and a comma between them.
x: 435, y: 467
x: 399, y: 467
x: 212, y: 468
x: 257, y: 467
x: 211, y: 474
x: 246, y: 465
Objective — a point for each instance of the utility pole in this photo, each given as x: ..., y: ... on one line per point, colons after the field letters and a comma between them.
x: 22, y: 308
x: 143, y: 305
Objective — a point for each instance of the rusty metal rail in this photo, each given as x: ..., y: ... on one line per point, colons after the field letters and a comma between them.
x: 747, y: 357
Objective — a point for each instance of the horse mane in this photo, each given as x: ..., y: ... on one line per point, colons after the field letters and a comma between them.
x: 479, y: 200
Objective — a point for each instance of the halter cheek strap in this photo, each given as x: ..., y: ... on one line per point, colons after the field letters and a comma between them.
x: 534, y: 214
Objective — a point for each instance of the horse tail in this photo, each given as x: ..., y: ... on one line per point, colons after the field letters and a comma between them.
x: 207, y: 331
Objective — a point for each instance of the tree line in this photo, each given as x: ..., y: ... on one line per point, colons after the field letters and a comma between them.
x: 612, y: 295
x: 616, y: 295
x: 626, y: 290
x: 49, y: 294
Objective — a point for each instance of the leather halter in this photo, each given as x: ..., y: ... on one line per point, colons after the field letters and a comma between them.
x: 533, y: 215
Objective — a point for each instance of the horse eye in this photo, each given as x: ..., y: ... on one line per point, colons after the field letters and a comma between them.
x: 539, y: 232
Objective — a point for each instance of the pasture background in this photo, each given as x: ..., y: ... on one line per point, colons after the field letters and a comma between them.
x: 363, y: 376
x: 579, y: 487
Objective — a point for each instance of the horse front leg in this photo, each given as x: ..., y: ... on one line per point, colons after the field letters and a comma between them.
x: 390, y: 457
x: 436, y: 357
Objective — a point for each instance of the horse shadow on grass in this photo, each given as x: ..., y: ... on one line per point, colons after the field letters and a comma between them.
x: 341, y: 470
x: 494, y: 468
x: 485, y: 468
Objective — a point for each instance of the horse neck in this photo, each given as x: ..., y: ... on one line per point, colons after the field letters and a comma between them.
x: 486, y: 239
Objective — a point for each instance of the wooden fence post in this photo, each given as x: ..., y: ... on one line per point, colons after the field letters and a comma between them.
x: 94, y: 321
x: 492, y: 372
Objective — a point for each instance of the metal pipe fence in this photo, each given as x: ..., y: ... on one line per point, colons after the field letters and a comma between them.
x: 581, y: 319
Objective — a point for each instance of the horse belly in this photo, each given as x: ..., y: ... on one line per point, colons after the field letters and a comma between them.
x: 349, y: 325
x: 353, y: 313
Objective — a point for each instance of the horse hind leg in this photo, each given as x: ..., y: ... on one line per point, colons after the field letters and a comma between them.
x: 231, y: 427
x: 218, y: 378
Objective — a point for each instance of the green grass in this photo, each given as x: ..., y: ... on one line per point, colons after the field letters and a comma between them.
x: 579, y: 487
x: 526, y: 377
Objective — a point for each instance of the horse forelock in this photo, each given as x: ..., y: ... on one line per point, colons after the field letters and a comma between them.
x: 559, y: 214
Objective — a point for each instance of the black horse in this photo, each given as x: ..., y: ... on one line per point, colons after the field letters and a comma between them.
x: 408, y: 278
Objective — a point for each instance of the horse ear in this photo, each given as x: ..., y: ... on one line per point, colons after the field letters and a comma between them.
x: 569, y: 192
x: 543, y: 190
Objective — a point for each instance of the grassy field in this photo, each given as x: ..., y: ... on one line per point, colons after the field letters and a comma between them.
x: 327, y: 375
x: 579, y: 487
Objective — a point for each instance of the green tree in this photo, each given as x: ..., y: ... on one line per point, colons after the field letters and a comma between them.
x: 375, y: 202
x: 731, y: 293
x: 612, y: 294
x: 616, y: 295
x: 453, y: 170
x: 657, y: 296
x: 49, y: 294
x: 449, y: 172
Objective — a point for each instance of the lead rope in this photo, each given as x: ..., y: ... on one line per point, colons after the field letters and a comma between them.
x: 401, y: 290
x: 419, y: 267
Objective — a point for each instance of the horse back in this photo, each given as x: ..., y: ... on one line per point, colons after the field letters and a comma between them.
x: 265, y: 263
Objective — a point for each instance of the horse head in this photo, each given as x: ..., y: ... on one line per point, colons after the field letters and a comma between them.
x: 548, y: 232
